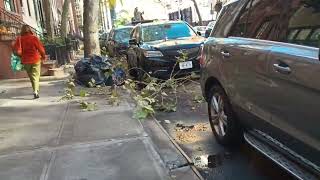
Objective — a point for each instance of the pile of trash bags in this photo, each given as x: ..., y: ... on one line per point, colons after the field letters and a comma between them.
x: 98, y: 71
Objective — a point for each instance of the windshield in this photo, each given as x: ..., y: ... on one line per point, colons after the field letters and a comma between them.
x: 122, y: 35
x: 166, y: 31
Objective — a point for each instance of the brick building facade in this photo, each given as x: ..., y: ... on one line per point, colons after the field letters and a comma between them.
x: 10, y: 21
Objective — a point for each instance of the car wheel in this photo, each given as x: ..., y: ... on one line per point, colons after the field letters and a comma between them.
x: 222, y: 119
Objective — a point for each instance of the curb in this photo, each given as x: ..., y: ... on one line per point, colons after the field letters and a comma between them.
x: 183, y: 153
x: 42, y: 79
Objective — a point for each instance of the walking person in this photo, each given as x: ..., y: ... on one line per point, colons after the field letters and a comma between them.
x: 31, y: 52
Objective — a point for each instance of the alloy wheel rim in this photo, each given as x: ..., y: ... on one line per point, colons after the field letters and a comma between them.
x: 218, y: 115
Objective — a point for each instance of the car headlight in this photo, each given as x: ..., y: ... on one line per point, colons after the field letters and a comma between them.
x: 153, y: 54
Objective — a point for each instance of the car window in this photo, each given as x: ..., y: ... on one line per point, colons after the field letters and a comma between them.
x: 302, y: 16
x: 122, y: 35
x: 291, y: 21
x: 292, y: 34
x: 166, y: 31
x: 259, y: 19
x: 239, y: 28
x: 226, y: 18
x: 303, y: 34
x: 315, y: 35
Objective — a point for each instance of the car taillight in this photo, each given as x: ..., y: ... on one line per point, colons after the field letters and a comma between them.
x: 202, y: 56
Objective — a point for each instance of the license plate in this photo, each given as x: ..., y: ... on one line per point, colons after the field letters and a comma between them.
x: 185, y: 65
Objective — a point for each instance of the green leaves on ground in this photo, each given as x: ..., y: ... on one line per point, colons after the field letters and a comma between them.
x: 83, y: 93
x: 87, y: 106
x: 144, y: 107
x: 198, y: 98
x: 114, y: 99
x: 69, y: 91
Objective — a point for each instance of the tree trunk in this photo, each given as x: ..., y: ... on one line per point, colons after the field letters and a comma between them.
x: 90, y: 30
x: 64, y: 18
x: 198, y: 12
x: 75, y: 19
x: 48, y: 18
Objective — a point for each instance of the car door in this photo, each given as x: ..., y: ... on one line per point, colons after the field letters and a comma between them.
x: 244, y: 62
x: 295, y: 72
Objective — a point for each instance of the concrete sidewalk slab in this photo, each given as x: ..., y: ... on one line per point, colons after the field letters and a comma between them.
x: 24, y: 166
x: 26, y: 129
x: 82, y: 126
x: 29, y: 124
x: 121, y: 160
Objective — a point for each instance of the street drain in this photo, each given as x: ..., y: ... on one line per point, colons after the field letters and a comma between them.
x: 214, y: 161
x: 211, y: 161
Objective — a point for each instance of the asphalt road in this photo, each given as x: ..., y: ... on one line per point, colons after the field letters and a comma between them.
x: 189, y: 127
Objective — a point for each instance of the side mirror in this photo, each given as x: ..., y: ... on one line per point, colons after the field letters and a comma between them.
x: 133, y: 42
x: 199, y: 33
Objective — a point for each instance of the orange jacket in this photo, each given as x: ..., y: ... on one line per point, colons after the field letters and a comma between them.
x: 32, y: 50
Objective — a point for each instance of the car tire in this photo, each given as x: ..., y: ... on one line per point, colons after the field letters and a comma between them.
x: 222, y: 119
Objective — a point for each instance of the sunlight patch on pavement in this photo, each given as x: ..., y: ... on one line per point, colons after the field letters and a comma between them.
x: 27, y: 101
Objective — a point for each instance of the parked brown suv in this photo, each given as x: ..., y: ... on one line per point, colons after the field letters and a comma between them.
x: 261, y: 79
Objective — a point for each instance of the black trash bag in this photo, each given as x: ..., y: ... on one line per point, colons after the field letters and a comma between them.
x: 118, y: 76
x: 98, y: 71
x: 101, y: 63
x: 83, y: 67
x: 89, y: 74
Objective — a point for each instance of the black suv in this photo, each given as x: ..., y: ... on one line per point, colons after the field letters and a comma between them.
x: 118, y: 40
x: 155, y: 47
x: 260, y: 76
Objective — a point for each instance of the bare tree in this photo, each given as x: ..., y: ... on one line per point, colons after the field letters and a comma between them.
x: 49, y: 19
x: 90, y: 30
x: 91, y: 25
x: 198, y: 11
x: 76, y: 23
x: 64, y: 18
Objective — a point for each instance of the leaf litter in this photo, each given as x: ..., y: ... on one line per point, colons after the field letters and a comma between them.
x: 189, y: 133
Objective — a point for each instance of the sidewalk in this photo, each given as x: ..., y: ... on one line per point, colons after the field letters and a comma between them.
x: 49, y: 140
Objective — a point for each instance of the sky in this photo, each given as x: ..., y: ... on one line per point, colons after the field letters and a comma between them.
x: 151, y: 9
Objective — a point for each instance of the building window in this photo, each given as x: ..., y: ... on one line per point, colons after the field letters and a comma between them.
x: 36, y: 10
x: 9, y: 5
x: 28, y: 8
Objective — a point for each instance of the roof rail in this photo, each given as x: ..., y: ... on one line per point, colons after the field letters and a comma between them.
x: 141, y: 22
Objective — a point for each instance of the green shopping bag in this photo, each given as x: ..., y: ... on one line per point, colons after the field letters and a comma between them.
x: 16, y: 64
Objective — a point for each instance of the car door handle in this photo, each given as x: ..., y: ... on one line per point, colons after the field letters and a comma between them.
x: 225, y: 54
x: 282, y: 69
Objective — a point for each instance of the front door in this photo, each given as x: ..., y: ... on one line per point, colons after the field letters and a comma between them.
x: 295, y: 73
